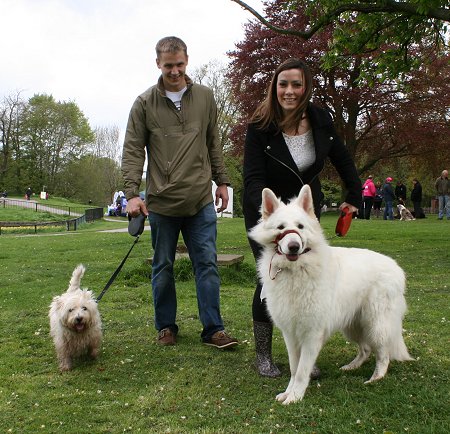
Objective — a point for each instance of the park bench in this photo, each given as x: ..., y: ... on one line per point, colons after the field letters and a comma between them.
x: 223, y: 260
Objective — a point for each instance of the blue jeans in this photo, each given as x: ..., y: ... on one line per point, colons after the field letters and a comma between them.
x: 444, y: 205
x: 199, y: 233
x: 388, y: 212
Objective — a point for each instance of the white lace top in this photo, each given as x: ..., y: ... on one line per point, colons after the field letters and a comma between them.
x: 302, y: 149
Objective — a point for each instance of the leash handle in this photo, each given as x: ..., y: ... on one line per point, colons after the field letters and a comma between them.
x: 113, y: 277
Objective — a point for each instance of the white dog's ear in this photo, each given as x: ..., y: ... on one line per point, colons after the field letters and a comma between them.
x: 58, y: 302
x: 305, y: 201
x: 269, y: 203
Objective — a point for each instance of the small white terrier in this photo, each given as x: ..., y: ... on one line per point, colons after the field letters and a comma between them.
x: 75, y: 323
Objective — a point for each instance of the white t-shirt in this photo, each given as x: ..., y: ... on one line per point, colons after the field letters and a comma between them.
x: 176, y: 97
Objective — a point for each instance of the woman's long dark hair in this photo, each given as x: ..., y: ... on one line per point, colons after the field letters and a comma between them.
x: 270, y: 112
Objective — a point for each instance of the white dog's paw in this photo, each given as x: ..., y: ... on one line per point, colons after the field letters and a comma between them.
x: 282, y: 396
x: 349, y: 367
x: 374, y: 378
x: 291, y: 398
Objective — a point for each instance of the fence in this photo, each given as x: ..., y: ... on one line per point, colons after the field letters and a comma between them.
x: 80, y: 214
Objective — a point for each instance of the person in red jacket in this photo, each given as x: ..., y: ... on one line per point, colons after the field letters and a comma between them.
x: 369, y: 192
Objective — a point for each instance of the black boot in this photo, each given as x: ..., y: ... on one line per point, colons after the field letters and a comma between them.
x: 263, y: 344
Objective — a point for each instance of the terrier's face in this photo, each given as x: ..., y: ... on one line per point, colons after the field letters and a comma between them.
x: 78, y: 310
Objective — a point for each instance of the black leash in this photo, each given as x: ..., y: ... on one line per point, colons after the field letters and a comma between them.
x: 113, y: 277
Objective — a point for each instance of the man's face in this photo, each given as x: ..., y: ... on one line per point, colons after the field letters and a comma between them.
x: 173, y: 69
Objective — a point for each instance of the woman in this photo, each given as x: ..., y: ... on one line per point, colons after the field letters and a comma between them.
x: 378, y: 199
x: 416, y: 199
x: 369, y: 192
x: 287, y: 143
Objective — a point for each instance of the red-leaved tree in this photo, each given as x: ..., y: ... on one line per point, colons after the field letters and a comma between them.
x: 377, y: 121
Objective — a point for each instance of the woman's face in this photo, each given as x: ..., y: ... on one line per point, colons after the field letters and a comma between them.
x: 290, y: 88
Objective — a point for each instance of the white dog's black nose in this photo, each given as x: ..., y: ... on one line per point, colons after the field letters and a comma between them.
x: 78, y: 319
x: 293, y: 248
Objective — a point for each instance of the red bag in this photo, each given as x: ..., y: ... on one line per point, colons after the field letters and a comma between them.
x: 344, y: 222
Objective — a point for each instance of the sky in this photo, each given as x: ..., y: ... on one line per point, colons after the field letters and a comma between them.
x: 100, y: 53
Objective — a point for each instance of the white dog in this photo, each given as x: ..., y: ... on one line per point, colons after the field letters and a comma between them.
x: 405, y: 213
x: 313, y: 289
x: 75, y: 323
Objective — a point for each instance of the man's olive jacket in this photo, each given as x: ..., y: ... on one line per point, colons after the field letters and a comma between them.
x: 182, y: 147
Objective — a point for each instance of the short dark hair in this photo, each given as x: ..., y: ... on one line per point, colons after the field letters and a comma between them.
x: 170, y: 44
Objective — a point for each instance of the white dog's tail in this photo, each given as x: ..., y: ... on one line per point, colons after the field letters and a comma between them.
x: 76, y: 278
x: 399, y: 351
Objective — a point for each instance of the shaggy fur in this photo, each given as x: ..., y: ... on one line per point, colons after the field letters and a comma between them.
x: 313, y: 290
x: 404, y: 213
x: 75, y: 323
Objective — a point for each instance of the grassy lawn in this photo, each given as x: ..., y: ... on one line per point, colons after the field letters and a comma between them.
x: 137, y: 386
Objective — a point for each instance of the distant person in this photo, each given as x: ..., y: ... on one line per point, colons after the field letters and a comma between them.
x: 400, y: 193
x: 174, y: 124
x: 118, y: 208
x: 377, y: 199
x: 28, y: 193
x: 389, y: 196
x: 416, y: 199
x: 5, y: 193
x: 369, y: 192
x: 443, y: 190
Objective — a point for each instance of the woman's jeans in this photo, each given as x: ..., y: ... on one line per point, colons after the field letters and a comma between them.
x: 199, y: 234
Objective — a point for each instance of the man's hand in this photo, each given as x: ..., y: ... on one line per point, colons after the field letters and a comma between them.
x: 136, y: 206
x: 222, y: 197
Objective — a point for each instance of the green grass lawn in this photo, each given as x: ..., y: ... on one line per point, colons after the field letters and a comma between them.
x: 137, y: 386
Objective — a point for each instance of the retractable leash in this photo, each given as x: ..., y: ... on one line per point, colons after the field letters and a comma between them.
x: 344, y: 222
x: 135, y: 229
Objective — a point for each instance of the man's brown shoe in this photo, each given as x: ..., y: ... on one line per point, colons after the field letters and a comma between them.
x: 167, y: 337
x: 221, y: 340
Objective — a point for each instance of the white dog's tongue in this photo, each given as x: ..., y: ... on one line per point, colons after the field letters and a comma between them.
x: 79, y: 327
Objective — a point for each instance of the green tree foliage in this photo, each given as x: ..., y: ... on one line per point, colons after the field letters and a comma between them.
x: 48, y: 143
x: 394, y: 36
x: 76, y: 181
x: 12, y: 109
x: 55, y: 133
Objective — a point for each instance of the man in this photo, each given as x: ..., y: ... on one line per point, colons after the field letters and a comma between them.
x: 443, y: 190
x: 174, y: 123
x: 388, y: 195
x: 400, y: 192
x: 416, y: 199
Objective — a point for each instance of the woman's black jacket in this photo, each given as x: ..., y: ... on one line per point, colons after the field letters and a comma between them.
x: 268, y: 163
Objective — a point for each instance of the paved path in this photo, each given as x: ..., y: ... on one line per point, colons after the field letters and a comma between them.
x: 32, y: 204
